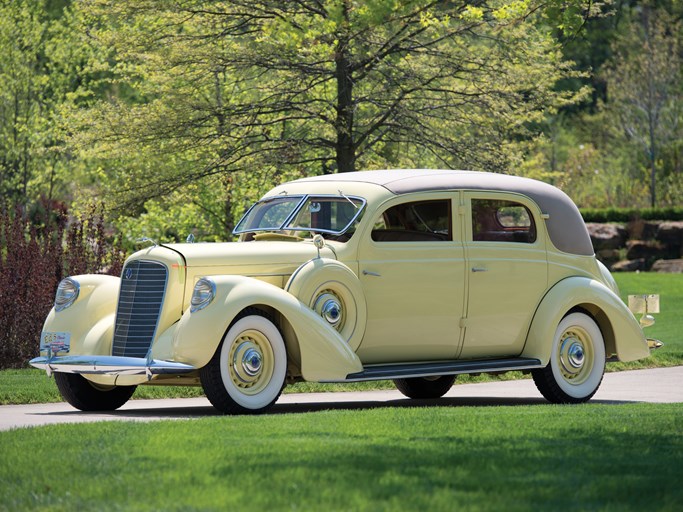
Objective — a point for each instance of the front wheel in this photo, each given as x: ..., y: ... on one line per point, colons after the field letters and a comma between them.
x: 425, y: 387
x: 247, y: 373
x: 87, y: 396
x: 577, y: 362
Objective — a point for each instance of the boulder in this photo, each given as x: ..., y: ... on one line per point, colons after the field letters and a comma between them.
x: 651, y: 250
x: 642, y: 230
x: 671, y: 233
x: 608, y: 256
x: 606, y: 236
x: 668, y: 266
x: 628, y: 265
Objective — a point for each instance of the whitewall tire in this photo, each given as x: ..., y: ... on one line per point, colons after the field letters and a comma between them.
x: 577, y: 361
x: 247, y: 373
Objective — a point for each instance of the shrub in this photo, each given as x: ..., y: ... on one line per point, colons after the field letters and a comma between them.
x: 629, y: 214
x: 39, y: 247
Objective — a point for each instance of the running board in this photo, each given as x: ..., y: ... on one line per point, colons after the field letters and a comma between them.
x: 410, y: 370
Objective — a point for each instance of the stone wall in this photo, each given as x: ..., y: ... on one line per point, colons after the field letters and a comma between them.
x: 639, y: 245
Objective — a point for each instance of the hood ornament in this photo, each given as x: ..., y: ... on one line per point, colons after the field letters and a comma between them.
x: 144, y: 239
x: 319, y: 243
x: 189, y: 239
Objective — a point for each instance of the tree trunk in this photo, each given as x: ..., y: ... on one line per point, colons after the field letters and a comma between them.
x: 653, y: 163
x: 345, y: 147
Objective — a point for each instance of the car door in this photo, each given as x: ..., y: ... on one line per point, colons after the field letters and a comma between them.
x: 507, y: 272
x: 411, y: 262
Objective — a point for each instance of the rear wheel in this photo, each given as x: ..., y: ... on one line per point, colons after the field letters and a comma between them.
x: 577, y: 362
x: 425, y: 387
x: 87, y: 396
x: 247, y: 373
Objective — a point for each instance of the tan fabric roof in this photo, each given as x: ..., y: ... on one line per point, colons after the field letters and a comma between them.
x: 565, y: 226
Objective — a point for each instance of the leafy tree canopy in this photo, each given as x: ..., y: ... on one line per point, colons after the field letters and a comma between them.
x: 201, y: 89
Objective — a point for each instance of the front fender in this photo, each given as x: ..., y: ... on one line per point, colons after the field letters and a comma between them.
x: 90, y: 319
x: 621, y: 331
x: 324, y: 354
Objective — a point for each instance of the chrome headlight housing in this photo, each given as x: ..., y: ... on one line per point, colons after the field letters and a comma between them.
x: 202, y: 295
x: 67, y: 293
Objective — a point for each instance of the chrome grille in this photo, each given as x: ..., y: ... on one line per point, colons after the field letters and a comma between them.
x: 143, y: 284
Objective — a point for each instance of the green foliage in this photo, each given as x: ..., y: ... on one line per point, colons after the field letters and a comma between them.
x: 587, y: 457
x: 182, y: 113
x: 645, y: 94
x: 629, y: 214
x: 40, y: 70
x: 269, y: 90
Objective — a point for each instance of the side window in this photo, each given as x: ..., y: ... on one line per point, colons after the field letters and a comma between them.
x: 502, y: 221
x: 419, y: 221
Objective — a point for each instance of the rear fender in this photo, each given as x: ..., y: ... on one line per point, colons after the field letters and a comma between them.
x: 621, y: 331
x: 324, y: 354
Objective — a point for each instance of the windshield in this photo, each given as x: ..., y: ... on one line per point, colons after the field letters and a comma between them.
x: 315, y: 214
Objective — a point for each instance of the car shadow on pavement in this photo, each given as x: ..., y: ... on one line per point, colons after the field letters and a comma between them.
x: 200, y: 411
x: 403, y: 403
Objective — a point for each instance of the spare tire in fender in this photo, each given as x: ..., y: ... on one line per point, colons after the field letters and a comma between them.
x: 332, y: 290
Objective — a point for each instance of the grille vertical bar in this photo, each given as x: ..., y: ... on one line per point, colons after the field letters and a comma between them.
x: 143, y: 285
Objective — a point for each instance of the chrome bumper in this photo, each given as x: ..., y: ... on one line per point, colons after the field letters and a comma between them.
x: 109, y: 365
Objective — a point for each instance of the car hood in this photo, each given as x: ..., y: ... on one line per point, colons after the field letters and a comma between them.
x: 248, y: 253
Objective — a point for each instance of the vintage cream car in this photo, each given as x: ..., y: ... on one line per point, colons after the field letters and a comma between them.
x: 410, y: 275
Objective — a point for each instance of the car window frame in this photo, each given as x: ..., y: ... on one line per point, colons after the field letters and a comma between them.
x: 455, y: 226
x: 532, y: 208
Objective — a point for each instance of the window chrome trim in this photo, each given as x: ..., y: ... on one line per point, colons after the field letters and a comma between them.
x: 285, y: 227
x: 237, y: 231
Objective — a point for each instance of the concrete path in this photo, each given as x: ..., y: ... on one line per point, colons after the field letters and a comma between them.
x: 660, y: 385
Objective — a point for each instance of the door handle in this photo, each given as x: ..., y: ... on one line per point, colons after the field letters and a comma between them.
x: 479, y: 269
x: 373, y: 274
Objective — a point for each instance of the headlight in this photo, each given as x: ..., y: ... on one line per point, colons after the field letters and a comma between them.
x: 67, y: 293
x: 203, y: 294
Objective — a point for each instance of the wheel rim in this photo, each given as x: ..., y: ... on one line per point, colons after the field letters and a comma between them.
x: 575, y: 356
x: 250, y: 362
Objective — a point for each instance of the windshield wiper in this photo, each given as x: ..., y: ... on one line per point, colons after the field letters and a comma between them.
x: 348, y: 199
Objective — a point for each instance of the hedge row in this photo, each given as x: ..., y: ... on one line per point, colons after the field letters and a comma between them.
x: 631, y: 214
x: 38, y: 247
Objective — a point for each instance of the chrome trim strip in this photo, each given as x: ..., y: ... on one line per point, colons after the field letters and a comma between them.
x: 109, y: 365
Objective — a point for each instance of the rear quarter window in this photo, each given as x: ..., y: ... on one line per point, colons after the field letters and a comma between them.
x: 496, y: 220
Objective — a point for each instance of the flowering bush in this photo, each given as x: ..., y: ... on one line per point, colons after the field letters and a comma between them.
x: 38, y: 247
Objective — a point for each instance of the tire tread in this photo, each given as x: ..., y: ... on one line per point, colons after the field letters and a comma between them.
x: 419, y: 387
x: 81, y: 394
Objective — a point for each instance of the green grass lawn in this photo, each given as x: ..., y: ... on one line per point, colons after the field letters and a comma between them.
x: 33, y: 386
x: 538, y: 457
x: 669, y: 322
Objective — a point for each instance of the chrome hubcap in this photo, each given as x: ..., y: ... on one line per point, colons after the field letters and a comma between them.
x: 329, y: 306
x: 575, y: 357
x: 247, y: 362
x: 251, y: 362
x: 331, y: 311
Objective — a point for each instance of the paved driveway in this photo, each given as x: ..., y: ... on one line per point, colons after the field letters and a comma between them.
x: 660, y: 385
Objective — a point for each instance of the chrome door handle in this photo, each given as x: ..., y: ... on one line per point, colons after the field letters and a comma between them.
x: 373, y: 274
x: 479, y: 269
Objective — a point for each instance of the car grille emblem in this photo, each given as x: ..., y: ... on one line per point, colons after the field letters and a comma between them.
x: 128, y: 273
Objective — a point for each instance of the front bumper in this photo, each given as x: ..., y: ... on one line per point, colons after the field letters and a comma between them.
x: 109, y: 365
